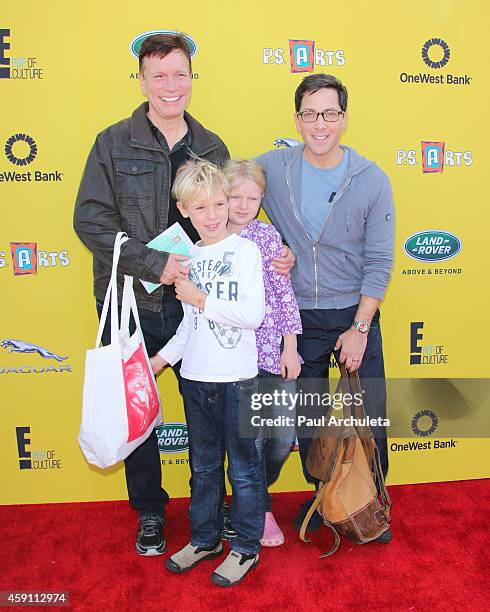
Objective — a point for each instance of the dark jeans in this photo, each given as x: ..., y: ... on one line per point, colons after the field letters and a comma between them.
x: 212, y: 416
x: 275, y: 448
x: 321, y: 329
x: 143, y: 467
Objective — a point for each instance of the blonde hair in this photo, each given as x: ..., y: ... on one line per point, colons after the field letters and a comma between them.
x: 197, y: 179
x: 245, y: 169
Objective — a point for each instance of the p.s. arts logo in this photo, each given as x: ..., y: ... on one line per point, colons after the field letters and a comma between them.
x: 432, y: 245
x: 172, y: 438
x: 34, y: 459
x: 27, y: 258
x: 21, y: 150
x: 21, y: 66
x: 138, y: 40
x: 304, y: 56
x: 14, y: 346
x: 435, y: 53
x: 435, y: 156
x: 425, y: 354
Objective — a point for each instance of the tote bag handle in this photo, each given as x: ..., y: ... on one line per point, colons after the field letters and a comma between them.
x: 111, y: 293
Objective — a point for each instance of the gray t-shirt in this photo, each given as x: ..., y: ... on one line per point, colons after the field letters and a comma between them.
x: 318, y: 189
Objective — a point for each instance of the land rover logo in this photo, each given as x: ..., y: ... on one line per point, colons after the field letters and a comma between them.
x: 136, y: 43
x: 172, y: 438
x: 432, y: 245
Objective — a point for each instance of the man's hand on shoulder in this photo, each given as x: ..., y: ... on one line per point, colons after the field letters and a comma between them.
x: 285, y: 262
x: 174, y: 269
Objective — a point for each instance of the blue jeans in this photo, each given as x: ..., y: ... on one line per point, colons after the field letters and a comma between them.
x: 212, y: 416
x: 275, y: 448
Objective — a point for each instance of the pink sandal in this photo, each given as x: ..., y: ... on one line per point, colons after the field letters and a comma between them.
x: 273, y: 536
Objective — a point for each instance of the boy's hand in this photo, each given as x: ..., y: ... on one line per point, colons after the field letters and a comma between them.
x: 157, y: 364
x: 290, y: 364
x: 284, y: 263
x: 186, y: 291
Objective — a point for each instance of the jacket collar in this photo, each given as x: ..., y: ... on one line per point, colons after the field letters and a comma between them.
x: 141, y: 134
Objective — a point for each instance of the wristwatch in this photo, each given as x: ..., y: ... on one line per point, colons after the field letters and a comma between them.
x: 362, y: 326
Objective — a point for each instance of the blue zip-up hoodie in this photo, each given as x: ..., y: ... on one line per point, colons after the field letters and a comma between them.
x: 353, y: 255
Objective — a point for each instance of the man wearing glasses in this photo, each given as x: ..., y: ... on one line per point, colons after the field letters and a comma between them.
x: 334, y: 208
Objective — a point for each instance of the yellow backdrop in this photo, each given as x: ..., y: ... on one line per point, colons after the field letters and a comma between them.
x: 418, y: 88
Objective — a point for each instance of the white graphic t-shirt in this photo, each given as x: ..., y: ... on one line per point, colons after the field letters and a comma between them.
x: 218, y: 344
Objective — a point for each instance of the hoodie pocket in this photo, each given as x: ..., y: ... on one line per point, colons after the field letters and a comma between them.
x: 302, y: 274
x: 334, y: 275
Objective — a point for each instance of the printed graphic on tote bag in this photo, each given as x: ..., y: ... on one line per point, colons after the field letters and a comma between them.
x: 142, y: 403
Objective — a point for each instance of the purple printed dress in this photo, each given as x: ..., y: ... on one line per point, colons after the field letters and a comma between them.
x: 281, y: 309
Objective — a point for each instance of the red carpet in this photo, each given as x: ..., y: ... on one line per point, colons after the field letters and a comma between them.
x: 438, y: 559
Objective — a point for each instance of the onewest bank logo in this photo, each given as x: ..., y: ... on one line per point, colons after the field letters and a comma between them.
x: 21, y: 150
x: 435, y: 54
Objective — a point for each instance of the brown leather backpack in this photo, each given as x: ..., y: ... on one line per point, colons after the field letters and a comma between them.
x: 346, y: 461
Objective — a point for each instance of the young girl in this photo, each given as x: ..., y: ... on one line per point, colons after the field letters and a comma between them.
x: 278, y: 360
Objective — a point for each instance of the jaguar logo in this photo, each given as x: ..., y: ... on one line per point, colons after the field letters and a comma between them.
x: 19, y: 346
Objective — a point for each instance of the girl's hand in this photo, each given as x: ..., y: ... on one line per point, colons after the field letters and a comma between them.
x: 290, y: 364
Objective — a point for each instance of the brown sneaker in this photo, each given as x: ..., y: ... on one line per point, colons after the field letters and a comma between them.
x: 234, y: 569
x: 189, y: 556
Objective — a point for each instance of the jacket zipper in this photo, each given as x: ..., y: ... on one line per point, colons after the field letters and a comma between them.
x: 315, y: 268
x: 314, y: 242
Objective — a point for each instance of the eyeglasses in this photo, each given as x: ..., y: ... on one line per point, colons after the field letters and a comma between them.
x: 330, y: 116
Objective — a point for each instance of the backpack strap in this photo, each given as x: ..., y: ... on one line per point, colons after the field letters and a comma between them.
x: 311, y: 510
x: 335, y: 545
x: 319, y: 496
x: 383, y: 491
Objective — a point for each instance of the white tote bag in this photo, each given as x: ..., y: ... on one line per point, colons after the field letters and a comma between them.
x: 121, y: 404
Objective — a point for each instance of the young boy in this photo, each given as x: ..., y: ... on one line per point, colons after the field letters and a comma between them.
x: 223, y: 304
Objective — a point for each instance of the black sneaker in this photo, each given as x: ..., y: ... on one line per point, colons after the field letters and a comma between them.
x: 384, y: 538
x: 228, y: 533
x: 316, y: 520
x: 150, y: 540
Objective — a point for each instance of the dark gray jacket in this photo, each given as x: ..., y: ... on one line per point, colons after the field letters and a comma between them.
x: 126, y: 186
x: 353, y: 255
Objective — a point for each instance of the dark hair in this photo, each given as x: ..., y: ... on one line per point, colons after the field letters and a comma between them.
x: 163, y: 44
x: 314, y: 82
